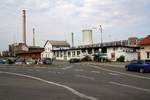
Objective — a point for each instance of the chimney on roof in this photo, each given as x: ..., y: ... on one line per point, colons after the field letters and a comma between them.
x: 24, y: 26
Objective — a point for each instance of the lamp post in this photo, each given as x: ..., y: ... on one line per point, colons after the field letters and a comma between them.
x: 101, y: 31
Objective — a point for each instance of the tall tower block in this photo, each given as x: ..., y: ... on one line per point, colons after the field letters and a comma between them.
x: 87, y: 37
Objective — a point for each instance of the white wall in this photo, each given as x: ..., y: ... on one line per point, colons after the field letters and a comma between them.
x: 119, y: 51
x: 47, y: 53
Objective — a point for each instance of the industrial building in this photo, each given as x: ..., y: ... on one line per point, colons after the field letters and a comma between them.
x: 22, y: 50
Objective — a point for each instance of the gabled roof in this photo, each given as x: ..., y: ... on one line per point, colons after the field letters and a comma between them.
x: 145, y: 41
x: 58, y: 43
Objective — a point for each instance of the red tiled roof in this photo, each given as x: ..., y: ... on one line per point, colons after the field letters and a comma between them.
x: 145, y: 41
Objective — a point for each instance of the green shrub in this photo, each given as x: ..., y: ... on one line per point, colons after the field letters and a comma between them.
x: 121, y: 59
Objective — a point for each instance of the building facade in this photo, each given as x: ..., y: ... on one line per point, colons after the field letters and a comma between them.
x: 51, y: 45
x: 17, y: 48
x: 31, y: 54
x: 130, y: 53
x: 145, y: 48
x: 113, y: 50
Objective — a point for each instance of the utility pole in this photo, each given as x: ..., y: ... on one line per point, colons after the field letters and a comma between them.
x: 100, y: 28
x: 72, y: 37
x: 33, y: 37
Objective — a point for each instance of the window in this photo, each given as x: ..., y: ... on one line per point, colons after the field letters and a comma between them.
x: 114, y: 49
x: 148, y: 55
x: 54, y: 53
x: 147, y: 61
x: 140, y: 62
x: 57, y: 54
x: 78, y: 53
x: 69, y: 54
x: 61, y: 55
x: 90, y: 51
x: 73, y: 54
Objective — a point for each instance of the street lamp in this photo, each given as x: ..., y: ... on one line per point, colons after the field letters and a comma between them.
x: 101, y: 32
x: 100, y: 28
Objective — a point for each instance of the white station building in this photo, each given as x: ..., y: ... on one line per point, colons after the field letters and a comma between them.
x: 61, y: 50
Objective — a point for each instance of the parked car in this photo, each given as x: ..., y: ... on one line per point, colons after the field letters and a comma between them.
x: 30, y: 61
x: 86, y: 58
x: 20, y: 61
x: 40, y: 61
x: 2, y: 62
x: 74, y: 60
x: 139, y: 65
x: 10, y: 61
x: 47, y: 61
x: 100, y: 57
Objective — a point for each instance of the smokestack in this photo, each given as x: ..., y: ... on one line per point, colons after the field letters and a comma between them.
x: 72, y: 37
x: 24, y: 26
x: 33, y: 37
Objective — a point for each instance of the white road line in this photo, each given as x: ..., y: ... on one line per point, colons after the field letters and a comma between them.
x: 97, y: 72
x: 114, y: 74
x: 126, y: 74
x: 37, y: 70
x: 55, y: 72
x: 50, y: 71
x: 130, y: 86
x: 79, y: 70
x: 30, y: 69
x: 86, y: 77
x: 68, y: 67
x: 59, y: 72
x: 53, y: 83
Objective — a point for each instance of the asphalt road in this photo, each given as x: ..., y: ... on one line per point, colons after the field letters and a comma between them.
x: 81, y: 81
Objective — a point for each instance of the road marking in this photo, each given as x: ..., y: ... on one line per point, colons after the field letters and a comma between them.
x: 130, y: 86
x: 75, y: 92
x: 55, y: 72
x: 114, y: 74
x: 97, y: 72
x: 37, y: 70
x: 59, y: 72
x: 50, y: 71
x: 126, y: 74
x: 79, y: 70
x: 86, y: 77
x: 30, y: 69
x: 68, y: 67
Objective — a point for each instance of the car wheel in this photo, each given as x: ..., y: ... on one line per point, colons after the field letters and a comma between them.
x: 141, y: 70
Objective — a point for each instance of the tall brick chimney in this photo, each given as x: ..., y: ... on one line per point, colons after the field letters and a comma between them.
x: 24, y: 26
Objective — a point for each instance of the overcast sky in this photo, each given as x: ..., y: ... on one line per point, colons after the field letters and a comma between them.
x: 56, y: 19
